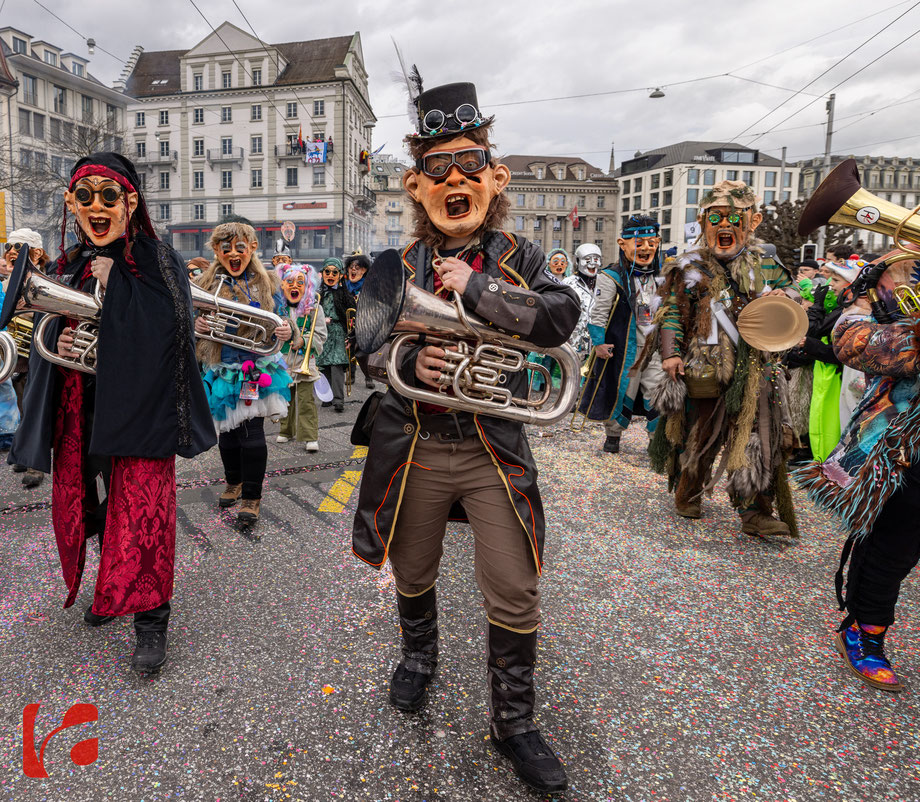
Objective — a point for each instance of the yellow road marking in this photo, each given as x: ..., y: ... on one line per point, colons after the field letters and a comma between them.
x: 340, y: 492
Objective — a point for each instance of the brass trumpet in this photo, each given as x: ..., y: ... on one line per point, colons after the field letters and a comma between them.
x: 478, y: 357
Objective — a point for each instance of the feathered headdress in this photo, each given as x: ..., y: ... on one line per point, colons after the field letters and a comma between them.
x: 413, y: 83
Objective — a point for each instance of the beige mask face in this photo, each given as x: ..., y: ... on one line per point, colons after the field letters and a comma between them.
x: 102, y: 208
x: 639, y: 251
x: 235, y: 254
x: 724, y: 238
x: 456, y: 203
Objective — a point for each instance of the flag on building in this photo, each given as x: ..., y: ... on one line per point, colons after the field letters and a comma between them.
x: 573, y: 216
x: 300, y: 139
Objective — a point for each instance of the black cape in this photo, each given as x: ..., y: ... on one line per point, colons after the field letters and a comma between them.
x: 149, y: 399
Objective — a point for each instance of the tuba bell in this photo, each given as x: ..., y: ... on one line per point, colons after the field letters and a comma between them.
x: 478, y: 357
x: 7, y: 356
x: 840, y: 198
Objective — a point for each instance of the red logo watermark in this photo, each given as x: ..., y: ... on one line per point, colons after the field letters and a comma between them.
x: 82, y: 753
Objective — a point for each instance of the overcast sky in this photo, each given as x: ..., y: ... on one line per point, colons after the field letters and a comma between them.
x: 525, y: 51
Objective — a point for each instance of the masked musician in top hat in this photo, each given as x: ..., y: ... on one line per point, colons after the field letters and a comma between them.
x: 114, y: 434
x: 722, y: 393
x: 625, y: 301
x: 424, y: 459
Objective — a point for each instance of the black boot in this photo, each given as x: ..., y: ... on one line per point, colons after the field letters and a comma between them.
x: 612, y: 444
x: 418, y: 618
x: 95, y: 620
x: 150, y: 626
x: 511, y: 660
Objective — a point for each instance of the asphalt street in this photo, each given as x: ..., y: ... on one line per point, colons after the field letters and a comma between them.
x: 678, y: 660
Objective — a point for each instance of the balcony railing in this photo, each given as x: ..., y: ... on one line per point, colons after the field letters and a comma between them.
x: 286, y: 152
x: 170, y: 159
x: 218, y: 156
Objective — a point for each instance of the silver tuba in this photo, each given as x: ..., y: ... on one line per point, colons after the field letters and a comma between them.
x: 7, y: 356
x: 222, y: 315
x: 478, y: 357
x: 42, y: 294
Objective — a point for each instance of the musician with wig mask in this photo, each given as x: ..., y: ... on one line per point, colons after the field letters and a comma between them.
x: 427, y: 464
x: 114, y: 433
x: 621, y: 317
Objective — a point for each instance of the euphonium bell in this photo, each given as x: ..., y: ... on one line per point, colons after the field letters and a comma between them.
x: 479, y: 358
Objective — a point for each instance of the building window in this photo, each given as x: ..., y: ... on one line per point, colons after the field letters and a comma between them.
x: 291, y: 177
x: 693, y: 176
x: 787, y: 179
x: 690, y: 215
x: 731, y: 175
x: 600, y: 201
x: 666, y: 235
x: 164, y: 147
x: 256, y: 111
x: 624, y: 205
x: 539, y: 173
x: 653, y: 200
x: 656, y: 180
x: 541, y: 201
x: 164, y: 117
x: 709, y: 178
x: 667, y: 198
x: 164, y: 179
x: 637, y: 185
x: 20, y: 45
x: 668, y: 177
x: 140, y: 119
x: 60, y: 99
x: 140, y: 149
x: 256, y: 178
x: 198, y: 179
x: 226, y: 209
x: 769, y: 196
x: 225, y: 80
x: 520, y: 199
x: 624, y: 221
x: 164, y: 211
x: 319, y: 136
x: 198, y: 82
x: 693, y: 197
x: 198, y: 116
x: 519, y: 223
x: 319, y: 108
x: 626, y: 185
x: 666, y: 216
x: 198, y: 147
x: 38, y: 126
x: 226, y: 114
x: 30, y: 90
x: 226, y: 179
x: 560, y: 201
x: 226, y: 145
x: 25, y: 122
x: 393, y: 241
x: 255, y: 144
x: 257, y: 76
x: 599, y: 225
x: 580, y: 172
x: 77, y: 69
x: 291, y: 110
x: 748, y: 177
x: 637, y: 203
x: 538, y: 224
x: 319, y: 176
x: 198, y: 211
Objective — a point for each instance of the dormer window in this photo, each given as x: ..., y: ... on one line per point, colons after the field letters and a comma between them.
x: 540, y: 174
x: 51, y: 58
x: 77, y: 69
x: 20, y: 45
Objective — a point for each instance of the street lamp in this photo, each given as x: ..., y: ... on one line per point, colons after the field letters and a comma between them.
x: 91, y: 46
x: 656, y: 93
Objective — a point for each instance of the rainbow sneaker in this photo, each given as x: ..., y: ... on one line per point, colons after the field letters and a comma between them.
x: 863, y: 650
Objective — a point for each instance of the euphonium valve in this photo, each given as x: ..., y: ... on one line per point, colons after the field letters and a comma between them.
x: 225, y: 318
x: 480, y: 360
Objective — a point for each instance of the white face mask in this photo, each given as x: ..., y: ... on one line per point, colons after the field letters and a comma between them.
x: 589, y: 265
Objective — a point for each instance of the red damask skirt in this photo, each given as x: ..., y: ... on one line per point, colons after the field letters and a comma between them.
x: 139, y: 543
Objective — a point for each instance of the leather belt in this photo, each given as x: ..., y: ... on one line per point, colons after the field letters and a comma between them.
x: 450, y: 427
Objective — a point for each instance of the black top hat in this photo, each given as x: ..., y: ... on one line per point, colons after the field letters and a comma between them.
x: 448, y: 110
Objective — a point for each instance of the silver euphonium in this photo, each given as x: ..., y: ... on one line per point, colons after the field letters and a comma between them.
x: 7, y: 356
x: 479, y: 358
x: 222, y: 314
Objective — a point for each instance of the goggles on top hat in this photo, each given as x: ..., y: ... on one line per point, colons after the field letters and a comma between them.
x: 465, y: 114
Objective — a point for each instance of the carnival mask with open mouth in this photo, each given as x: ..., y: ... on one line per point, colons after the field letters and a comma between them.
x: 639, y: 251
x: 294, y: 286
x: 558, y: 264
x: 234, y: 255
x: 455, y: 182
x: 727, y: 230
x: 102, y: 208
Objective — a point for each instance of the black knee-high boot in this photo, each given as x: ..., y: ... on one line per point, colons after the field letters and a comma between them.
x: 512, y: 656
x: 418, y: 619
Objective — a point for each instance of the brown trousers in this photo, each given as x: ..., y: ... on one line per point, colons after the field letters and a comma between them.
x: 440, y: 474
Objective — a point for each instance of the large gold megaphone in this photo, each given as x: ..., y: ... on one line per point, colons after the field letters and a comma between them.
x: 480, y: 360
x: 840, y: 198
